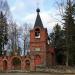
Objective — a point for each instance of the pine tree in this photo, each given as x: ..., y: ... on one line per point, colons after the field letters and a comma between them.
x: 69, y: 26
x: 3, y: 32
x: 57, y: 39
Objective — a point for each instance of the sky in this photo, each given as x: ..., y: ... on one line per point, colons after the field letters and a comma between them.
x: 24, y: 11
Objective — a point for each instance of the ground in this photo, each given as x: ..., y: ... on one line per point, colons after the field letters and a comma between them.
x: 32, y: 74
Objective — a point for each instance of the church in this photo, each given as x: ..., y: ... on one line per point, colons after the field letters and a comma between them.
x: 41, y: 53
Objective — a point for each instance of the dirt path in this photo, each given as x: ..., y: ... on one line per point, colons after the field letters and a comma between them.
x: 32, y: 74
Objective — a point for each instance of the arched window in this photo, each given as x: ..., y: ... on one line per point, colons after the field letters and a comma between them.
x: 37, y: 60
x: 37, y: 33
x: 4, y: 65
x: 27, y: 62
x: 27, y: 65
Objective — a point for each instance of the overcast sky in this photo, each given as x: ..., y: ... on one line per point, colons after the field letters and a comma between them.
x: 24, y: 11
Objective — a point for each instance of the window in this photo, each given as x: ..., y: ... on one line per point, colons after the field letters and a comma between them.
x: 37, y: 60
x: 37, y: 33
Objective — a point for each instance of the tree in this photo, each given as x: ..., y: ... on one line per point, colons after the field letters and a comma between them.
x: 26, y: 37
x: 14, y: 35
x: 74, y: 9
x: 4, y: 8
x: 57, y: 40
x: 3, y: 32
x: 67, y: 13
x: 69, y: 26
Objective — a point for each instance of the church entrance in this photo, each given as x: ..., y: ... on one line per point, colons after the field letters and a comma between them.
x: 16, y: 64
x: 4, y: 65
x: 27, y: 65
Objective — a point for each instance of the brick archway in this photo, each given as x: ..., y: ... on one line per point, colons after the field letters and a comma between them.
x: 27, y: 64
x: 16, y: 63
x: 5, y: 65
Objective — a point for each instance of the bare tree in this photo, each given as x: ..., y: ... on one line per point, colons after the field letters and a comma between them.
x: 26, y: 38
x: 13, y: 38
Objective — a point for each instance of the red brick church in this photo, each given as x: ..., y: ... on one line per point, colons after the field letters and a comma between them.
x: 41, y: 53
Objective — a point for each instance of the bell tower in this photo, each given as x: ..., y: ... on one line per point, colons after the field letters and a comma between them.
x: 38, y: 42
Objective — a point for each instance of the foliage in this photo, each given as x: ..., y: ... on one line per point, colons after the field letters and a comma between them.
x: 57, y: 40
x: 69, y: 26
x: 3, y: 32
